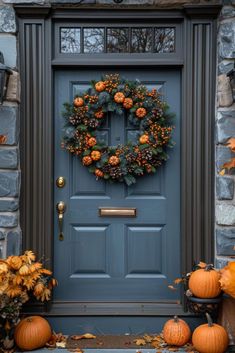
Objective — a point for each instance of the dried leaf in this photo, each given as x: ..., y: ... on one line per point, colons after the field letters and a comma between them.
x: 222, y: 172
x: 148, y: 338
x: 61, y: 344
x: 79, y: 337
x: 231, y: 144
x: 3, y: 139
x: 140, y: 342
x: 178, y: 280
x: 172, y: 287
x: 229, y: 165
x: 202, y: 264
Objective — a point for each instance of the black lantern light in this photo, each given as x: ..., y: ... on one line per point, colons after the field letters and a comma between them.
x: 5, y: 72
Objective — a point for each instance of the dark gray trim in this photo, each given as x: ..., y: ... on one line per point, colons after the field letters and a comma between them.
x: 198, y: 91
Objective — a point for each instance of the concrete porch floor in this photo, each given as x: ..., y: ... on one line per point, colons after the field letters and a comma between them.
x: 141, y: 350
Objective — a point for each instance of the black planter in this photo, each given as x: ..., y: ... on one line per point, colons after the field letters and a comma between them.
x: 201, y: 306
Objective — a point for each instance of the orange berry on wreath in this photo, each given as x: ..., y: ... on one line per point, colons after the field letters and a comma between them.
x: 140, y: 113
x: 87, y: 160
x: 114, y: 160
x: 119, y: 97
x: 99, y: 115
x: 128, y: 103
x: 144, y: 139
x: 99, y: 173
x: 95, y: 155
x: 78, y: 102
x: 100, y: 86
x: 92, y: 141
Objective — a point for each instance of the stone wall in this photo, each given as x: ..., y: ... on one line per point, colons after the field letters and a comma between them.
x: 10, y: 235
x: 225, y: 129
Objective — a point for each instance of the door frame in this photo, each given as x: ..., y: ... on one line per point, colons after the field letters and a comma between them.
x: 198, y: 66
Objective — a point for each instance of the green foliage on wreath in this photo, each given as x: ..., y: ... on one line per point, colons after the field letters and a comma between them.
x: 145, y: 111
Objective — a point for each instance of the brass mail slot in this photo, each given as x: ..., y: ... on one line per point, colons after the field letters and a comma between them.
x: 117, y: 212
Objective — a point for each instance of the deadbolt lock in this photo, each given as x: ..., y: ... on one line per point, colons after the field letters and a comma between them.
x: 60, y: 182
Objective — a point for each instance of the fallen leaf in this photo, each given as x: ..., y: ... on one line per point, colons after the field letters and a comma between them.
x: 178, y: 280
x: 231, y: 144
x: 229, y: 165
x: 172, y: 287
x: 148, y: 338
x: 76, y: 350
x: 60, y: 344
x: 3, y: 139
x: 140, y: 342
x: 80, y: 337
x: 88, y: 335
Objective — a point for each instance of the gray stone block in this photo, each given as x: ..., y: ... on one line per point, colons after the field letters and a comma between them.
x: 8, y: 158
x: 9, y: 124
x: 8, y: 48
x: 2, y: 234
x: 7, y: 19
x: 225, y: 241
x: 225, y: 66
x: 41, y: 2
x: 225, y: 125
x: 225, y: 214
x: 13, y: 88
x: 9, y: 205
x: 224, y: 188
x: 223, y: 155
x: 227, y: 40
x: 9, y: 220
x: 13, y: 242
x: 227, y: 12
x: 9, y: 183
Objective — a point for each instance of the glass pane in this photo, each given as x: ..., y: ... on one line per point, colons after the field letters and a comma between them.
x: 117, y: 40
x: 164, y: 40
x: 141, y: 40
x: 93, y: 40
x: 70, y: 40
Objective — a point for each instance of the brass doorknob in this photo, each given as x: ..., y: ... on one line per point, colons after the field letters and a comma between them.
x: 60, y: 182
x: 61, y: 207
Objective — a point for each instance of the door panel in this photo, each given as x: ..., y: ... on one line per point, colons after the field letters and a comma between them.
x: 117, y: 259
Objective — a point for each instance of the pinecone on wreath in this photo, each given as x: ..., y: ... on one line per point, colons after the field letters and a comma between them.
x: 115, y: 172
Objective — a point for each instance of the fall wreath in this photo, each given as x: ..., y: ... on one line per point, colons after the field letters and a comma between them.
x: 145, y: 111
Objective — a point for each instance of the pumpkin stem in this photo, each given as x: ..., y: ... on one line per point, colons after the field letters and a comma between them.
x: 176, y: 319
x: 209, y: 320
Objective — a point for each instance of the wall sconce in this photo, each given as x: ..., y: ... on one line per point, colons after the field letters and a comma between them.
x: 5, y: 73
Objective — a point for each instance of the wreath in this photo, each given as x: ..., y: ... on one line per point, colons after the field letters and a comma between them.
x: 145, y: 111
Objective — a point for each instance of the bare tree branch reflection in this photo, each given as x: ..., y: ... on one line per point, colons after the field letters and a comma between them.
x: 70, y: 40
x: 141, y: 40
x: 117, y: 40
x: 164, y: 40
x: 93, y: 40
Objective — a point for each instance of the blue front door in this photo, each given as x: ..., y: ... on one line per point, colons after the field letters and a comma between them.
x: 107, y: 259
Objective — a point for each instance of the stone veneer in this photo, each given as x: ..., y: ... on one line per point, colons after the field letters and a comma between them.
x: 10, y: 234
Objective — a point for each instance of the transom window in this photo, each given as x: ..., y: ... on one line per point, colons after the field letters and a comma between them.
x: 88, y: 40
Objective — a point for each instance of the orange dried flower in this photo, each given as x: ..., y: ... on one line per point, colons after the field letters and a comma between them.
x: 78, y: 102
x: 128, y: 103
x: 119, y: 97
x: 95, y: 155
x: 140, y: 113
x: 114, y: 160
x: 24, y: 270
x: 87, y: 160
x: 14, y: 262
x: 38, y: 289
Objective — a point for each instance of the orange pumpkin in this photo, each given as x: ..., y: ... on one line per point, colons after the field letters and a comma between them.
x: 140, y: 113
x: 99, y: 173
x: 114, y: 160
x: 204, y: 283
x: 100, y: 86
x: 210, y: 338
x: 227, y: 280
x: 87, y: 160
x: 32, y: 332
x: 92, y: 141
x: 144, y: 139
x: 119, y: 97
x: 78, y: 102
x: 128, y: 103
x: 95, y: 155
x: 176, y: 332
